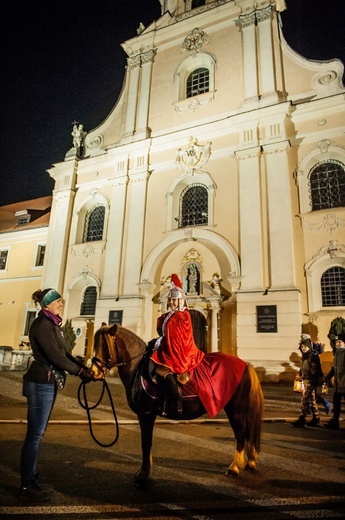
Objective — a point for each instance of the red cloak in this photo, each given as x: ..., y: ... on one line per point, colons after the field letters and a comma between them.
x: 177, y: 349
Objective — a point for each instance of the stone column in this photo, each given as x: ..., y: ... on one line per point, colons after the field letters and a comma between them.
x: 282, y: 272
x: 250, y: 79
x: 251, y: 239
x: 58, y: 240
x: 214, y: 303
x: 132, y: 258
x: 145, y: 91
x: 267, y: 69
x: 112, y: 265
x: 132, y: 99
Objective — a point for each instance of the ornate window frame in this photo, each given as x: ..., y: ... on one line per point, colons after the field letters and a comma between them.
x: 174, y: 194
x: 315, y: 268
x: 324, y: 150
x: 199, y: 61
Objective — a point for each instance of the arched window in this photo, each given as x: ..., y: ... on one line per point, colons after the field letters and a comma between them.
x: 88, y: 305
x: 327, y: 185
x: 333, y: 287
x: 198, y: 82
x: 193, y: 206
x: 94, y: 223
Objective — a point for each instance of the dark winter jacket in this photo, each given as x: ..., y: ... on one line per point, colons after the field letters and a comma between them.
x: 49, y: 350
x: 338, y: 371
x: 311, y: 370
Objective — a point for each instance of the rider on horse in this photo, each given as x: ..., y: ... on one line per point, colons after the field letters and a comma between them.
x: 175, y: 351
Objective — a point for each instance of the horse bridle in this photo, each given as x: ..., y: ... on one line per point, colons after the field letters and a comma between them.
x: 105, y: 366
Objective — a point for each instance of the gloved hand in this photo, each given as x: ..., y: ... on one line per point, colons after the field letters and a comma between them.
x: 85, y: 375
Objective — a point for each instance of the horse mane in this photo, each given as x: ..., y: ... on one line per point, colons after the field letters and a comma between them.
x: 128, y: 335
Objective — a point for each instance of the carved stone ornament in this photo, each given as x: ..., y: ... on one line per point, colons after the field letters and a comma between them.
x: 192, y: 256
x: 194, y: 156
x: 194, y: 41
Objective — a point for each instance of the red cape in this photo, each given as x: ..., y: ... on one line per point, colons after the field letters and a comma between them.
x: 177, y: 349
x: 216, y: 379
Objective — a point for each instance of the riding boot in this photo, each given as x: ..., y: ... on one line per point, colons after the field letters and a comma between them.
x: 173, y: 392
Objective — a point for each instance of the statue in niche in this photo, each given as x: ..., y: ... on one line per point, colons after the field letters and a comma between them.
x: 192, y: 279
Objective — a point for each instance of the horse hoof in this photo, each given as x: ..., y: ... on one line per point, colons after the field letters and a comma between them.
x: 232, y: 471
x: 250, y: 466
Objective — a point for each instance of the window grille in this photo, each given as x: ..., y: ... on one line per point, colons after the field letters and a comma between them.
x: 94, y: 223
x: 327, y: 185
x: 30, y: 316
x: 40, y: 256
x: 333, y: 287
x: 88, y: 306
x: 198, y: 82
x: 193, y: 206
x: 197, y: 3
x: 3, y: 260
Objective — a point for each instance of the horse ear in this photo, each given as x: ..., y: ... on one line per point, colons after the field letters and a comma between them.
x: 104, y: 324
x: 112, y: 330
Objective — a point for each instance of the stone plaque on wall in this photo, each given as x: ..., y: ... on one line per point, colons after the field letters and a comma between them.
x: 266, y: 318
x: 115, y: 317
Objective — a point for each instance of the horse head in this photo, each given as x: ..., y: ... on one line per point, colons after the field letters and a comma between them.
x: 106, y: 355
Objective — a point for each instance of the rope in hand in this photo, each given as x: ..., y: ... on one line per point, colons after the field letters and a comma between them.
x: 88, y: 408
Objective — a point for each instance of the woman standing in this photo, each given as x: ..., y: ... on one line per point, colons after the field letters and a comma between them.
x: 40, y: 385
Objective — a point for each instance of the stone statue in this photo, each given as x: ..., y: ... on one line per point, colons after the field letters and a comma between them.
x: 78, y: 135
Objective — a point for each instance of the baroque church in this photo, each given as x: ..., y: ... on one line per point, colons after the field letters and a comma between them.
x: 223, y: 161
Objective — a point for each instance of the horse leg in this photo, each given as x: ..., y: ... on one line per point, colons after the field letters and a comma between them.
x: 244, y: 411
x: 146, y: 423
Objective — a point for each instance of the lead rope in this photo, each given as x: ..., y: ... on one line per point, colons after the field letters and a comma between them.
x: 88, y: 408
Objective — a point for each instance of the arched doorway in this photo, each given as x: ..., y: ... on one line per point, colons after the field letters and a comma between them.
x: 199, y: 329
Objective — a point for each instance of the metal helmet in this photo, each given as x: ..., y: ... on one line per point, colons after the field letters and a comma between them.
x: 176, y: 290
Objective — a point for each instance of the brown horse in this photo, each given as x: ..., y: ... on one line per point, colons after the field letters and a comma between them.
x: 115, y: 346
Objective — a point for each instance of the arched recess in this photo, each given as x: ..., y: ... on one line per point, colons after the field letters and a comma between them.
x: 177, y: 187
x: 324, y: 150
x: 85, y: 278
x: 225, y: 253
x: 314, y: 270
x: 93, y: 199
x: 202, y: 60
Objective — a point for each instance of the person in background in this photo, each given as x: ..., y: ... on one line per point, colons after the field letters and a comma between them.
x: 40, y: 386
x: 318, y: 347
x: 338, y: 373
x: 310, y: 373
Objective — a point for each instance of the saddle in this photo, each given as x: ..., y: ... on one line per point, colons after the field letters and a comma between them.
x: 147, y: 390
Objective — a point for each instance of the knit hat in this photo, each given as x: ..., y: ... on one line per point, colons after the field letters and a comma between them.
x: 307, y: 342
x: 341, y: 337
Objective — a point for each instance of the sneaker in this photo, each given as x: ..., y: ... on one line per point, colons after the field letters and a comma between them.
x: 315, y: 421
x: 31, y: 494
x: 300, y: 423
x: 333, y: 424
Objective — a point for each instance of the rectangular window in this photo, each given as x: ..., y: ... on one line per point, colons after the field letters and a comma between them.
x: 3, y: 259
x: 40, y: 255
x: 30, y: 316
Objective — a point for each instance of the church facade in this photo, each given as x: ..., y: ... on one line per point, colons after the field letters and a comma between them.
x: 223, y: 161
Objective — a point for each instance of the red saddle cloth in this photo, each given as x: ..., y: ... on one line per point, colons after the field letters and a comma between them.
x: 216, y: 379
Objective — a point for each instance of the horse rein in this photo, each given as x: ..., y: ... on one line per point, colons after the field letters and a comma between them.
x: 103, y: 367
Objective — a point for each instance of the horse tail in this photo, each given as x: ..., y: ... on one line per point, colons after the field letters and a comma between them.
x: 256, y: 411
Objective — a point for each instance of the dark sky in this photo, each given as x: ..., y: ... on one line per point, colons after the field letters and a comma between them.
x: 62, y: 61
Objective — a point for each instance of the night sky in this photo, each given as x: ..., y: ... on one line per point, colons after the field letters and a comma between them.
x: 62, y: 62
